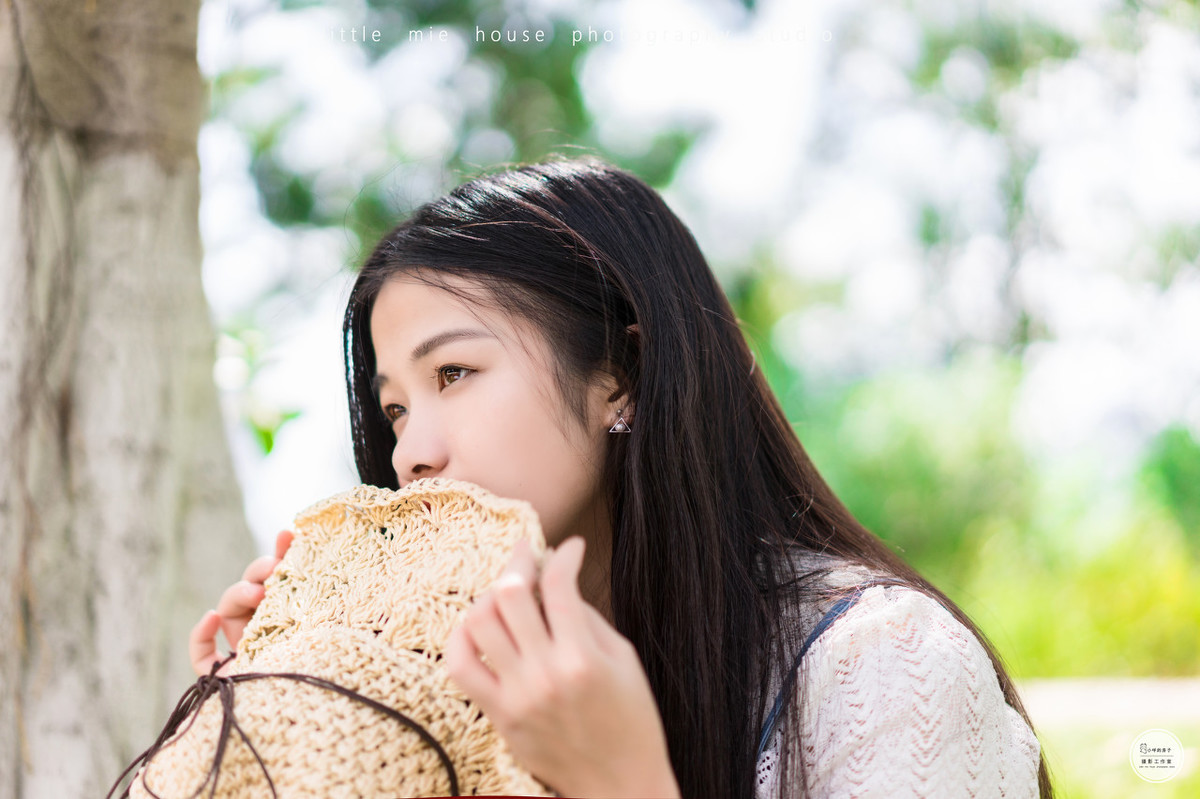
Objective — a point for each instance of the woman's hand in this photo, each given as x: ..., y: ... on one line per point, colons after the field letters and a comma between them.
x: 567, y: 691
x: 234, y: 610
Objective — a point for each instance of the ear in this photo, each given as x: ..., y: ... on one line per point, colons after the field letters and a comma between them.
x: 621, y: 402
x: 611, y: 395
x: 616, y: 403
x: 622, y: 408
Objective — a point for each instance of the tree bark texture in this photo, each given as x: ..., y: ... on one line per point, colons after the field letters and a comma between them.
x: 120, y: 519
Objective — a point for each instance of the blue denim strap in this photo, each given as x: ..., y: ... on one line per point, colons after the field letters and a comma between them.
x: 840, y: 607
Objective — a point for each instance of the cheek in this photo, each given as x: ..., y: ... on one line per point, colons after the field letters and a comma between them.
x: 560, y: 495
x: 513, y: 448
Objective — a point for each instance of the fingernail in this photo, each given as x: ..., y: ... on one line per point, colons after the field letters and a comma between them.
x: 510, y: 578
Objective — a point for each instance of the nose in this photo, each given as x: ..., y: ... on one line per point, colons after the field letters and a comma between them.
x: 421, y: 451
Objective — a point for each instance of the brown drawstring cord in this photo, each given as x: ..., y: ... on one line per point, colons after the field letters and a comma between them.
x: 195, y: 696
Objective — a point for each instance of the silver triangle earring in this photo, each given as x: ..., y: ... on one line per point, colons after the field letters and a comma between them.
x: 621, y: 426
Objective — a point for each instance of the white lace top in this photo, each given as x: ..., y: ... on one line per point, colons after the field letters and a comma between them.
x: 900, y: 699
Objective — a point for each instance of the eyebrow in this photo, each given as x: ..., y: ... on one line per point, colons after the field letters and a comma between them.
x: 429, y: 345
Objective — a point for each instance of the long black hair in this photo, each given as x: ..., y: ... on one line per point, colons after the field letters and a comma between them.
x: 709, y: 492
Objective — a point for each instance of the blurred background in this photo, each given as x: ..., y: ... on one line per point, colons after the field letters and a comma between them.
x: 964, y: 241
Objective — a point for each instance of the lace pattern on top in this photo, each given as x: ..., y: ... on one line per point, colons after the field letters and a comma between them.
x: 900, y: 699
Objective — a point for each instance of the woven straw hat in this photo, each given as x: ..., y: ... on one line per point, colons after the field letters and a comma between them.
x: 365, y: 598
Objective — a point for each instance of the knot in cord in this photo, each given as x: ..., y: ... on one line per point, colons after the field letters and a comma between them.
x: 188, y: 709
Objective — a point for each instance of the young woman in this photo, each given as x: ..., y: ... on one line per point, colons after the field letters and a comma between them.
x: 713, y: 621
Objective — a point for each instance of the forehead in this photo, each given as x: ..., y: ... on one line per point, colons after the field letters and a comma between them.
x: 408, y: 310
x: 408, y: 302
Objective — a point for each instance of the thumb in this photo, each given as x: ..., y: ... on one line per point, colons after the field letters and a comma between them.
x: 564, y: 607
x: 607, y: 637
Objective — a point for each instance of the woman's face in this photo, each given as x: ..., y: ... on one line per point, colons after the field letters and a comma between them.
x: 481, y: 405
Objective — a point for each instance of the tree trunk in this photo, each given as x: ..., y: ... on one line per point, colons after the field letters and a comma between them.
x: 120, y: 520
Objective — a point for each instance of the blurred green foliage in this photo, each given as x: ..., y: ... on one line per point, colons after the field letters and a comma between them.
x: 1066, y: 577
x: 1171, y: 478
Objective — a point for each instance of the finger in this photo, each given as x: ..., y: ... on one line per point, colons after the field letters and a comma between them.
x: 560, y: 592
x: 236, y: 607
x: 260, y: 569
x: 240, y: 600
x: 283, y: 542
x: 491, y: 637
x: 468, y: 672
x: 202, y: 643
x: 519, y: 610
x: 522, y: 563
x: 607, y: 637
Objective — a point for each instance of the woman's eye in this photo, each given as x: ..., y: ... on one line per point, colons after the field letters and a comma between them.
x: 443, y: 371
x: 392, y: 411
